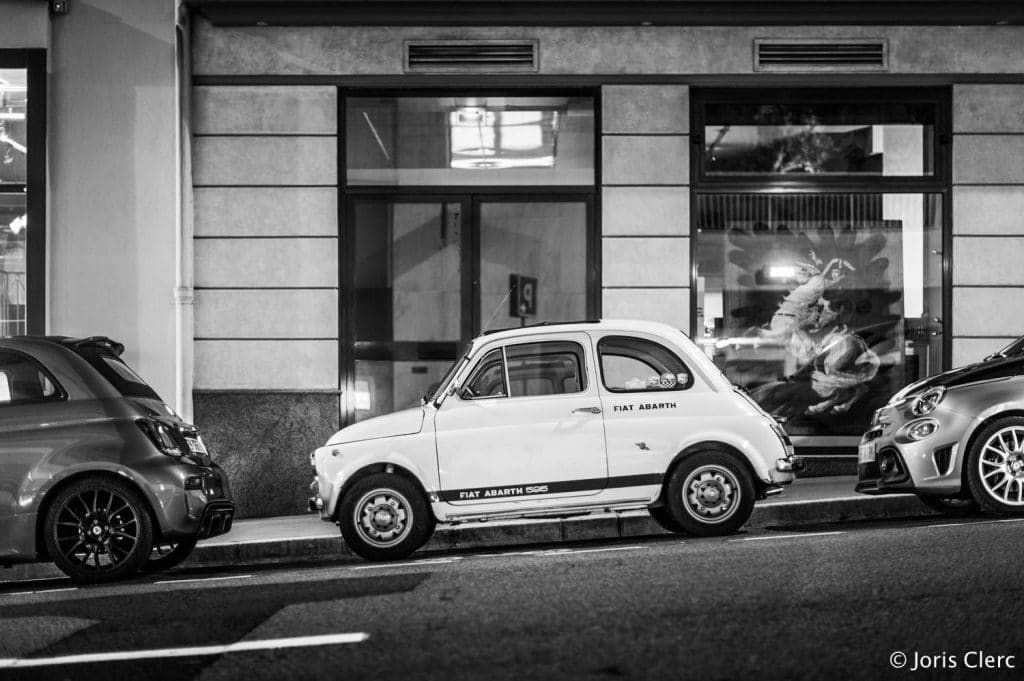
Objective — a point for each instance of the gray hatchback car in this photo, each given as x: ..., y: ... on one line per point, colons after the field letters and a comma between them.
x: 97, y: 473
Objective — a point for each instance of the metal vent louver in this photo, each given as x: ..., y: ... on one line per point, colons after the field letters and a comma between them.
x: 471, y: 56
x: 821, y: 55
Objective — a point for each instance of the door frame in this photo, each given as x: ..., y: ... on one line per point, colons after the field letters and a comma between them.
x: 471, y: 199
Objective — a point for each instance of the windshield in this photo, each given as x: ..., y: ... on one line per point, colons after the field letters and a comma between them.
x: 1014, y: 348
x: 120, y: 375
x: 452, y: 370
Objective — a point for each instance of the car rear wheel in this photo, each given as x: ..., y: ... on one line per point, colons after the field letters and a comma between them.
x: 664, y: 518
x: 166, y: 555
x: 950, y: 505
x: 98, y: 530
x: 995, y: 467
x: 385, y: 517
x: 710, y: 493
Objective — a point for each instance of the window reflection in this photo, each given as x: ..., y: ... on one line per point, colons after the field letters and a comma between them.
x: 13, y: 235
x: 823, y: 138
x: 821, y: 305
x: 13, y: 107
x: 470, y: 140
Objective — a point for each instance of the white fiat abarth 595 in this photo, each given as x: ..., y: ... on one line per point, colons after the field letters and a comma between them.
x: 557, y: 420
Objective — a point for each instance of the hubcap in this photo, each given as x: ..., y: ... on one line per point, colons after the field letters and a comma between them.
x: 711, y: 494
x: 383, y: 517
x: 1001, y: 466
x: 97, y: 529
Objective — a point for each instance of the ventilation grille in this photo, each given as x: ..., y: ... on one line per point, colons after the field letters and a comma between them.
x: 470, y: 56
x: 821, y: 55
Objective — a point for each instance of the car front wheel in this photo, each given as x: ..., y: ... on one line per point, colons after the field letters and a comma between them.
x: 98, y: 530
x: 385, y: 517
x: 166, y: 555
x: 995, y: 473
x: 710, y: 493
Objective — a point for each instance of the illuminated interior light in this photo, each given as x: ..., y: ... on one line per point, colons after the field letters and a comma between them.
x: 17, y: 224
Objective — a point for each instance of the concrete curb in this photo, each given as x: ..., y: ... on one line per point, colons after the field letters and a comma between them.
x: 520, y: 532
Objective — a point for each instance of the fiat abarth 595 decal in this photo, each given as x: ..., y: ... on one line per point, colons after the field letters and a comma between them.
x: 552, y: 420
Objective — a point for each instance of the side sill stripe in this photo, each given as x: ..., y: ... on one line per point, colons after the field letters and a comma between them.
x: 559, y: 487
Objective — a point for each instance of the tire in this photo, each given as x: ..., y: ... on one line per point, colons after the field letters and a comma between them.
x: 662, y: 516
x: 98, y: 530
x: 955, y: 506
x: 710, y: 494
x: 165, y: 555
x: 385, y: 517
x: 995, y: 467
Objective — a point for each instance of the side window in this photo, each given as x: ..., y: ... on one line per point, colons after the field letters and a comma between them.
x: 488, y: 379
x: 551, y: 368
x: 639, y: 365
x: 22, y: 380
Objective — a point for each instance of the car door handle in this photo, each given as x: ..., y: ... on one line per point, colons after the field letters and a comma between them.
x: 588, y: 410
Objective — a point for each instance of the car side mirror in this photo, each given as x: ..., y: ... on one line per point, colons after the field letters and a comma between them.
x: 431, y: 391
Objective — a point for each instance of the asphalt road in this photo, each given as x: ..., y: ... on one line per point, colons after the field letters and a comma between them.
x: 826, y: 602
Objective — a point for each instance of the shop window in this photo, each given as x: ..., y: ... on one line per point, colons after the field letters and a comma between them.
x: 472, y: 140
x: 819, y: 247
x: 22, y: 191
x: 821, y: 305
x: 776, y: 136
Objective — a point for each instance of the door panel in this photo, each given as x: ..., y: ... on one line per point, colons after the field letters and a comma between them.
x: 499, y: 449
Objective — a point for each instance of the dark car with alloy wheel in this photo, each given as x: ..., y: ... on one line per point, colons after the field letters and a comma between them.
x: 955, y: 439
x: 97, y: 473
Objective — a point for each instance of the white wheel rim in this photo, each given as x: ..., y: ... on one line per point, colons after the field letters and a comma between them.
x: 383, y: 517
x: 711, y: 494
x: 1001, y: 466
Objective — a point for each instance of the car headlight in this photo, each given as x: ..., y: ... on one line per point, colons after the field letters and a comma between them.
x: 926, y: 402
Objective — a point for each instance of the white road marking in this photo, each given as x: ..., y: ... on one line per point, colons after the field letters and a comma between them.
x: 43, y: 591
x: 976, y: 522
x: 194, y: 651
x: 202, y: 579
x: 433, y: 561
x: 789, y: 536
x: 614, y: 548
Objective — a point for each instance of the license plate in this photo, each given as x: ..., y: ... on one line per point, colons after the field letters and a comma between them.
x: 866, y: 453
x: 195, y: 445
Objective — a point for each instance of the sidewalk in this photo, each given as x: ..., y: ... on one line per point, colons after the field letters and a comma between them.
x: 289, y: 539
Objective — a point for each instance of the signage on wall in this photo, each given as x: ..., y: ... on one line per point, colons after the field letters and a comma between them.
x: 522, y: 301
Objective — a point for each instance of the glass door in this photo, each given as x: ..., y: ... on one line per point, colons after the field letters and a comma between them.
x: 546, y: 242
x: 429, y: 273
x: 406, y: 305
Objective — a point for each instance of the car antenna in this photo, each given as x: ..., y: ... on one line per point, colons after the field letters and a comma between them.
x: 496, y: 309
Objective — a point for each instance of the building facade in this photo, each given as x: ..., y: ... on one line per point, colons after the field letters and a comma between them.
x: 296, y: 213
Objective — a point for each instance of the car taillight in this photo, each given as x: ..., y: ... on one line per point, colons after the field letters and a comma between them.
x: 162, y: 436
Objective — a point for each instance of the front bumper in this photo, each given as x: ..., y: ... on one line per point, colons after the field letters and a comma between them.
x: 890, y: 462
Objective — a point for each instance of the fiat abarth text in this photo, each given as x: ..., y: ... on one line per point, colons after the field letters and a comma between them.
x: 557, y: 420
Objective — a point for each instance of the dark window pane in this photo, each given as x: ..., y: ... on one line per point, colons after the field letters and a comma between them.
x: 488, y: 379
x: 819, y: 138
x: 22, y: 380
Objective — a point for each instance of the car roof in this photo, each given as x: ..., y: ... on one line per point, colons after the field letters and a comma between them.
x: 602, y: 325
x: 74, y: 344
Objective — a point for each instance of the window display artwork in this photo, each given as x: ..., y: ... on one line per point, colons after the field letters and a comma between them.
x: 808, y: 310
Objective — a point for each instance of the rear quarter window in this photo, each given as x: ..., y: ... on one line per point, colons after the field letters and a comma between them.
x: 23, y: 380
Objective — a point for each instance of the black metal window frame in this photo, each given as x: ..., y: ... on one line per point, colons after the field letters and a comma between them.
x: 34, y: 188
x: 939, y: 182
x: 470, y: 197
